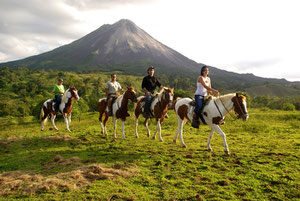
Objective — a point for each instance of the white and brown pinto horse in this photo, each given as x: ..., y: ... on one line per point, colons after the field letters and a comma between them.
x: 213, y: 114
x: 159, y: 107
x: 120, y: 110
x: 65, y: 107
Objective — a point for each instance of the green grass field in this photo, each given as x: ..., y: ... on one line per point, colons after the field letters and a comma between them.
x: 263, y: 165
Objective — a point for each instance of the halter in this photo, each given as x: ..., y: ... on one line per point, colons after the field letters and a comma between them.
x: 239, y: 116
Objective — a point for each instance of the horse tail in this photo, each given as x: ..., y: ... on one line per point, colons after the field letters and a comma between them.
x: 42, y: 116
x: 175, y: 101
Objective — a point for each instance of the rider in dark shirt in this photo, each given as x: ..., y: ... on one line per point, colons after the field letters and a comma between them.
x: 149, y: 85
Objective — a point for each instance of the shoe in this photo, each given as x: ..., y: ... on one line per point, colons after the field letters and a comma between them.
x: 145, y: 114
x: 196, y: 121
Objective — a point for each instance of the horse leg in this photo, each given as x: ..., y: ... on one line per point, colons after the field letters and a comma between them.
x: 123, y: 132
x: 69, y: 118
x: 104, y: 122
x: 146, y: 125
x: 181, y: 131
x: 222, y: 134
x: 178, y: 130
x: 115, y: 126
x: 209, y: 139
x: 44, y: 117
x: 100, y: 120
x: 52, y: 120
x: 136, y: 122
x: 159, y: 130
x: 67, y: 122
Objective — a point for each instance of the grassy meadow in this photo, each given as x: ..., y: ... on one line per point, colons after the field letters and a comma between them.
x: 87, y: 165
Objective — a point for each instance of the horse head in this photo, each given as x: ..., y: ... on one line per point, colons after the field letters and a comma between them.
x: 73, y: 93
x: 131, y: 94
x: 168, y: 94
x: 240, y: 106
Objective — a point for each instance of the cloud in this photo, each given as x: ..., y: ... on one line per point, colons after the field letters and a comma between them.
x: 31, y: 26
x: 104, y: 4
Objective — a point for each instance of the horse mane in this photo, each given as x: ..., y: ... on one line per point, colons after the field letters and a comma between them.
x: 225, y: 96
x: 64, y: 96
x: 159, y: 94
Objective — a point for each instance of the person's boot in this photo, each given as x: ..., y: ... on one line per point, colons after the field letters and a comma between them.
x: 196, y: 121
x: 146, y: 111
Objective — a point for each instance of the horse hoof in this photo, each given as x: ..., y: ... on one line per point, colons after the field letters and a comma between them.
x: 184, y: 146
x: 209, y: 149
x: 174, y: 141
x: 161, y: 140
x: 227, y: 153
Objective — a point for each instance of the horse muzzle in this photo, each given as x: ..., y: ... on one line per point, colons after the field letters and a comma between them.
x: 244, y: 117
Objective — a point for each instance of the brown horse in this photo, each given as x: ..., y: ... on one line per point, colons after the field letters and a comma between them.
x: 159, y: 107
x: 120, y: 110
x: 65, y: 107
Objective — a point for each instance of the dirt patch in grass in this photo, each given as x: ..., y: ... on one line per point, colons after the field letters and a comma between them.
x: 18, y: 182
x: 60, y: 138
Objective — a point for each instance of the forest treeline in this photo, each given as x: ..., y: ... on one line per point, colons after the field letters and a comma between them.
x: 23, y: 91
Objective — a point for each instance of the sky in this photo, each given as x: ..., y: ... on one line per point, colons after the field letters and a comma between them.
x: 261, y: 37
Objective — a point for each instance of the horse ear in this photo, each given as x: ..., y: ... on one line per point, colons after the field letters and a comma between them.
x: 237, y: 95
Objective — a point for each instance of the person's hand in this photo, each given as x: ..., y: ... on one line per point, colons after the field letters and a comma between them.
x: 217, y: 92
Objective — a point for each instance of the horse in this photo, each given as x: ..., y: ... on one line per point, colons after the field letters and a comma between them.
x: 213, y: 114
x: 120, y: 110
x: 65, y: 107
x: 158, y: 108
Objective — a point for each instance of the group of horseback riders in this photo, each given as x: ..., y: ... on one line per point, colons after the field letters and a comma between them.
x: 149, y: 85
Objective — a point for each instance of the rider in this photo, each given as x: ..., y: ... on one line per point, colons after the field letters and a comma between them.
x: 203, y: 89
x: 111, y: 89
x: 58, y: 91
x: 148, y: 85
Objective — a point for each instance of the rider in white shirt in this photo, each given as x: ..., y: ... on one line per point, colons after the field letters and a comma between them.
x: 111, y: 89
x: 203, y: 89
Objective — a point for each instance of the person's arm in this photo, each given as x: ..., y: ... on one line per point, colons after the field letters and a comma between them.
x: 200, y: 79
x: 120, y: 88
x: 144, y: 83
x: 56, y: 90
x: 106, y: 89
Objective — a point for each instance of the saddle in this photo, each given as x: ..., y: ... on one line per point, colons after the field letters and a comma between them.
x: 205, y: 102
x: 150, y: 114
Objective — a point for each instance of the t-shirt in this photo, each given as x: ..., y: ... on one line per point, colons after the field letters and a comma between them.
x: 58, y: 88
x: 113, y: 87
x: 150, y: 83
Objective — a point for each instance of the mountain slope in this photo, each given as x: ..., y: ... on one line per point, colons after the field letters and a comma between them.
x: 123, y: 46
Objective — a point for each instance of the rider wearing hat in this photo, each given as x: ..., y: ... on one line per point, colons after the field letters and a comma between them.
x: 58, y: 91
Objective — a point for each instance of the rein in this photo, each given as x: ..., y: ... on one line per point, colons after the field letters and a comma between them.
x: 234, y: 118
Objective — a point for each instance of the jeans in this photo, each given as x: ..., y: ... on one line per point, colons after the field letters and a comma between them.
x: 199, y: 103
x: 147, y: 103
x: 57, y: 100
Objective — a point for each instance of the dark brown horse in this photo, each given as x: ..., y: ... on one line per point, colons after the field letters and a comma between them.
x: 120, y: 110
x: 65, y: 107
x: 159, y: 107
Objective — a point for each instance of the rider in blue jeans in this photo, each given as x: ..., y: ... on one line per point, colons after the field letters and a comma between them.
x: 149, y: 85
x: 203, y: 89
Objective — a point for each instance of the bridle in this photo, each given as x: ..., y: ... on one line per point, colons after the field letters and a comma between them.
x: 244, y: 114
